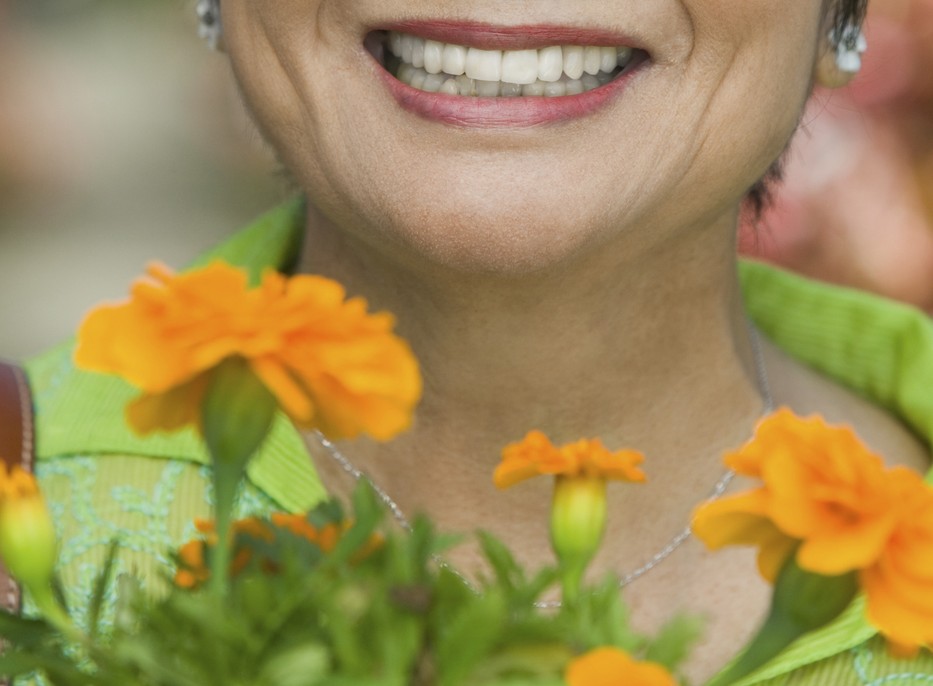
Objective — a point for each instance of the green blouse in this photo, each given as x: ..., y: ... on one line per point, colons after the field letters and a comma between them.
x: 103, y: 482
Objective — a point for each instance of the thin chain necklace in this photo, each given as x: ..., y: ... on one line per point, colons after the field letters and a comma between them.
x: 764, y: 387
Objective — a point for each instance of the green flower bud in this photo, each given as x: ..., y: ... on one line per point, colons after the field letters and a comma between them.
x: 27, y: 535
x: 578, y: 521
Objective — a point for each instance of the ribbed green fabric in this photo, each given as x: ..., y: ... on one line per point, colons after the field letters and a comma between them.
x: 103, y: 481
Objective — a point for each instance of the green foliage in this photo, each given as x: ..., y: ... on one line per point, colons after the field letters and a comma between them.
x: 359, y: 615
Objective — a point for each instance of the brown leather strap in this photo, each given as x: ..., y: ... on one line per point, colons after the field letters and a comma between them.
x: 16, y: 448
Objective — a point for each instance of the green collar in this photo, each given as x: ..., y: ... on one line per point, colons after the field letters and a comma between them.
x: 880, y: 349
x: 82, y: 413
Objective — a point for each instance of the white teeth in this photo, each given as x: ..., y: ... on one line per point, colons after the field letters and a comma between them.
x: 592, y: 59
x: 433, y: 83
x: 550, y: 63
x: 405, y: 72
x: 554, y: 71
x: 395, y: 44
x: 510, y: 90
x: 433, y: 56
x: 454, y: 59
x: 608, y: 61
x: 485, y: 65
x: 534, y: 90
x: 407, y: 42
x: 487, y: 89
x: 418, y: 78
x: 417, y: 52
x: 573, y: 61
x: 520, y: 66
x: 590, y: 82
x: 465, y: 84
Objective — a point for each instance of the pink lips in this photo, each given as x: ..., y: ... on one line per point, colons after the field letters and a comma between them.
x: 519, y: 112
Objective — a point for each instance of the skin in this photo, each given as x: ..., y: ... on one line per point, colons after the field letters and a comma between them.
x: 578, y: 278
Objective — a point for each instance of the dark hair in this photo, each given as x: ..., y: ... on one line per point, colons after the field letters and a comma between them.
x: 845, y: 13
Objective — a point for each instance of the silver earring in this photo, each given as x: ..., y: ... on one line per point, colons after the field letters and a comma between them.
x: 209, y: 27
x: 850, y: 45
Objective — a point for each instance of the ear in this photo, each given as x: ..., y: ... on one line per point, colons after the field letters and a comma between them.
x: 840, y: 57
x: 210, y: 27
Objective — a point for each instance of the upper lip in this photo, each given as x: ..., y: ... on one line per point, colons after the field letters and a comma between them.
x: 523, y: 37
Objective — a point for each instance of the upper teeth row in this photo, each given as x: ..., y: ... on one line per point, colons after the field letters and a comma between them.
x: 511, y: 66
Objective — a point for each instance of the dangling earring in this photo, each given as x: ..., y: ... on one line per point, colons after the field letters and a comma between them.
x: 850, y: 45
x: 209, y: 27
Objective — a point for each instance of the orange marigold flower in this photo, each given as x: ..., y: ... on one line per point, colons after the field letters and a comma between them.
x: 535, y: 455
x: 614, y: 667
x: 192, y: 568
x: 827, y: 496
x: 899, y: 585
x: 578, y: 507
x: 193, y: 571
x: 330, y: 364
x: 325, y: 538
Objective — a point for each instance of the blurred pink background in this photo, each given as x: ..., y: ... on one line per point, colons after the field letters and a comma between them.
x: 856, y: 207
x: 122, y: 139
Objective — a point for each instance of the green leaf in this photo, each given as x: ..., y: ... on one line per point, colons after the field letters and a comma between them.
x: 27, y: 633
x: 100, y: 589
x: 368, y: 513
x: 470, y: 638
x: 673, y: 643
x: 303, y: 664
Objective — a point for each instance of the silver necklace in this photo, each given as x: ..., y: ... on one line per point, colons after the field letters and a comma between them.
x: 764, y: 387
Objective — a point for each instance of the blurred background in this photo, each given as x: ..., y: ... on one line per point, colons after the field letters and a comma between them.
x: 856, y: 206
x: 122, y: 139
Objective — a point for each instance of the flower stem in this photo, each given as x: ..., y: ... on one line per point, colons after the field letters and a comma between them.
x: 777, y: 633
x: 571, y: 580
x: 237, y: 414
x: 50, y: 609
x: 225, y: 487
x: 803, y: 601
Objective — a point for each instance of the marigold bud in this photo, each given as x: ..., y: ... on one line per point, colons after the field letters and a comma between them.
x: 578, y: 520
x: 27, y: 535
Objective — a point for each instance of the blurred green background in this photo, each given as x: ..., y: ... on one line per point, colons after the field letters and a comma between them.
x: 122, y: 139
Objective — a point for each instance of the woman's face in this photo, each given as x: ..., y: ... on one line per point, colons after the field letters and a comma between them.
x: 708, y: 98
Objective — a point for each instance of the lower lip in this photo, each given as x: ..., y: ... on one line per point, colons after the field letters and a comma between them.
x: 498, y: 113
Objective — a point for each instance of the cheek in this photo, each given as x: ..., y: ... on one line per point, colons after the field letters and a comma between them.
x: 748, y: 80
x: 277, y: 48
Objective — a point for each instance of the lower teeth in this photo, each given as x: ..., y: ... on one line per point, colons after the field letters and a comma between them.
x: 462, y: 85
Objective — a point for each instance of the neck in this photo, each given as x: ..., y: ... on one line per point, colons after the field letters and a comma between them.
x: 644, y: 348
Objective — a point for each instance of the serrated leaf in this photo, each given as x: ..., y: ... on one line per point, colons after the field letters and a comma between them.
x: 27, y: 633
x: 507, y: 571
x: 469, y: 638
x: 673, y: 642
x: 368, y: 513
x: 100, y: 589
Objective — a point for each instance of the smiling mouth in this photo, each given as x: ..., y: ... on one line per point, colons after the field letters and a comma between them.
x: 449, y: 69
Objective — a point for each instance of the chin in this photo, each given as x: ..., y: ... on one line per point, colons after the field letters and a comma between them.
x: 507, y: 235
